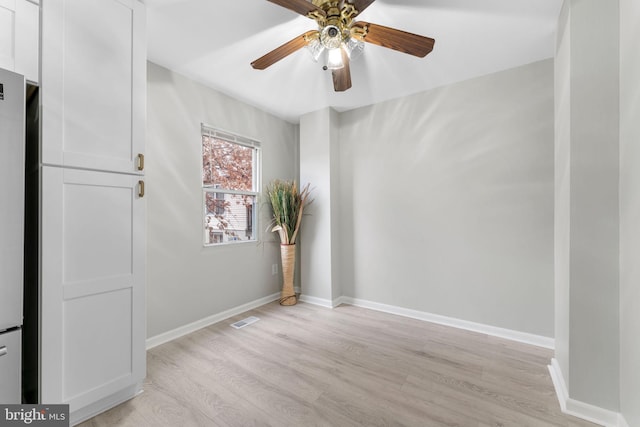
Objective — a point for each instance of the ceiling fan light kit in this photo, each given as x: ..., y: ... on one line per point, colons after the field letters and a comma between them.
x: 354, y: 48
x: 324, y: 42
x: 341, y: 37
x: 334, y: 59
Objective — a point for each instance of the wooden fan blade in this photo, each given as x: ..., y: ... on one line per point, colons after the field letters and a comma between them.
x: 391, y: 38
x: 361, y: 5
x: 283, y: 51
x: 342, y: 76
x: 303, y: 7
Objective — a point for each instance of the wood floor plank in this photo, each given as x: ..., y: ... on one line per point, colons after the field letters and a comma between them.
x: 310, y: 366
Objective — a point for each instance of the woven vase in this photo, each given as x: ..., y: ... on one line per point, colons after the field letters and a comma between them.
x: 288, y: 255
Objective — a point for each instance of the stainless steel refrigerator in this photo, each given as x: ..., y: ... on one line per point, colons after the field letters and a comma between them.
x: 12, y: 178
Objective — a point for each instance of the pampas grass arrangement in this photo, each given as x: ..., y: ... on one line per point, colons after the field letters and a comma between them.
x: 288, y: 204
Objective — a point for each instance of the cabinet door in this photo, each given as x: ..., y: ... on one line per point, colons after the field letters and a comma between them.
x: 94, y: 84
x: 19, y: 36
x: 10, y: 356
x: 93, y: 266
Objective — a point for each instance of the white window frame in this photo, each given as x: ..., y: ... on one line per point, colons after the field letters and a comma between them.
x: 231, y: 137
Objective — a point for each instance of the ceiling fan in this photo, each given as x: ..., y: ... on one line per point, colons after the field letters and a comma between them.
x: 341, y: 37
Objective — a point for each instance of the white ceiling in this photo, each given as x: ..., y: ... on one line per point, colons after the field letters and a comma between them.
x: 214, y: 41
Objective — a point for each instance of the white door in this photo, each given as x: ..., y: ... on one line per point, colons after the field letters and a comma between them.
x: 12, y: 148
x: 94, y: 84
x: 19, y: 37
x: 93, y: 266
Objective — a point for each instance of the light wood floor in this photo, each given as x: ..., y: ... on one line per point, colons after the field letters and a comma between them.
x: 311, y: 366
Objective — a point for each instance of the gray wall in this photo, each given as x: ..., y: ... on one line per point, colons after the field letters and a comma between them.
x: 187, y: 282
x: 320, y: 254
x: 446, y: 200
x: 630, y: 211
x: 562, y: 184
x: 587, y: 182
x: 597, y: 134
x: 316, y: 261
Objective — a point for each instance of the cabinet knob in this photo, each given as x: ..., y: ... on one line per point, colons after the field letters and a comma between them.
x: 140, y: 188
x: 3, y: 350
x: 140, y: 161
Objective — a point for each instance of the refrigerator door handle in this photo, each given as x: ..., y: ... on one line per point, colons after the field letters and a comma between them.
x: 3, y: 350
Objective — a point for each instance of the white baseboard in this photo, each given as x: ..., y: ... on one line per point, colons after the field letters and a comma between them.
x: 102, y: 405
x: 558, y: 384
x: 509, y: 334
x: 340, y: 300
x: 580, y: 409
x: 623, y: 422
x: 523, y: 337
x: 207, y: 321
x: 323, y: 302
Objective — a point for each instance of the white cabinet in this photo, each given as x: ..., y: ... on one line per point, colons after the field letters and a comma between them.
x: 92, y: 211
x: 93, y: 274
x: 10, y: 361
x: 94, y: 84
x: 19, y: 36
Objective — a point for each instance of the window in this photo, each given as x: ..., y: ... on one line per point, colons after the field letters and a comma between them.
x: 230, y: 182
x: 218, y: 201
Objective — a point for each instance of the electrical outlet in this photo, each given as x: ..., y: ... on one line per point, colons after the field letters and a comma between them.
x: 274, y: 269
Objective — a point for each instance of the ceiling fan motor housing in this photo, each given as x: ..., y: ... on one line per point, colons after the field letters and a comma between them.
x: 335, y: 23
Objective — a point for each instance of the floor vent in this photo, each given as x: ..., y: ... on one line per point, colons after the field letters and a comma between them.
x: 245, y: 322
